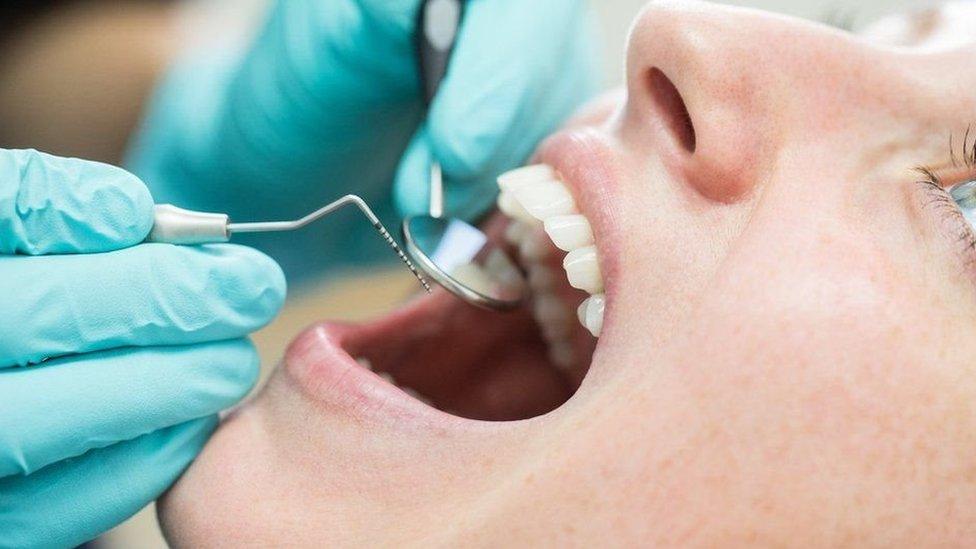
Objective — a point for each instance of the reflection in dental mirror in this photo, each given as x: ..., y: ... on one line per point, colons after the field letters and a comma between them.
x: 463, y: 260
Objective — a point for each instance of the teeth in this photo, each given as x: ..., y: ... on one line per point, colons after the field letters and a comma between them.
x: 550, y: 310
x: 583, y: 269
x: 533, y: 194
x: 516, y: 232
x: 473, y: 276
x: 512, y: 208
x: 569, y: 232
x: 388, y: 377
x: 562, y: 355
x: 529, y: 174
x: 591, y: 314
x: 557, y: 333
x: 541, y: 278
x: 535, y: 247
x: 544, y: 199
x: 417, y: 396
x: 365, y: 363
x: 502, y: 270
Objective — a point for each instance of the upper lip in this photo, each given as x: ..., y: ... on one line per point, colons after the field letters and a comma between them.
x: 322, y: 364
x: 585, y: 160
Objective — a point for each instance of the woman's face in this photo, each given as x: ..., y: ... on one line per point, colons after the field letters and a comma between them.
x: 788, y: 346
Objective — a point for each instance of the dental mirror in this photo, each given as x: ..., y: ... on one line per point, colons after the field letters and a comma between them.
x: 455, y: 254
x: 462, y: 259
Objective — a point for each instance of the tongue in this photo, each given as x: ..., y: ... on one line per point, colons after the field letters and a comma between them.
x: 472, y: 363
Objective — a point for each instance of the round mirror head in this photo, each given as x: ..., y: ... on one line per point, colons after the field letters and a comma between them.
x: 459, y: 257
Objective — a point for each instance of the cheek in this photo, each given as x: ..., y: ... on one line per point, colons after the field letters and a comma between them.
x: 675, y: 245
x: 829, y: 377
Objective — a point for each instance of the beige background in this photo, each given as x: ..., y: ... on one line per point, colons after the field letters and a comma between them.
x: 351, y: 301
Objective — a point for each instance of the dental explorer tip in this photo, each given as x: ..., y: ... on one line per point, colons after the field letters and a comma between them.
x: 403, y: 257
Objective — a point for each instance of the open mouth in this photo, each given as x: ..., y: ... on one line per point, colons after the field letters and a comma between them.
x: 439, y: 357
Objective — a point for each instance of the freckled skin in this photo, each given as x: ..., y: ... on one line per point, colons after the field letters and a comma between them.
x: 787, y: 354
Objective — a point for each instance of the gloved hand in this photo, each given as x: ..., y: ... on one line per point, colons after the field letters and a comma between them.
x: 114, y: 356
x: 328, y: 99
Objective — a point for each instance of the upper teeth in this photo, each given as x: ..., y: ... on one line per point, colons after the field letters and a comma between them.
x: 583, y: 270
x: 510, y: 207
x: 545, y: 199
x: 535, y: 194
x: 528, y: 174
x: 591, y: 313
x: 569, y: 232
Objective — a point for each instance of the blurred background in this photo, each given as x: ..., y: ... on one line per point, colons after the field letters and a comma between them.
x: 74, y: 76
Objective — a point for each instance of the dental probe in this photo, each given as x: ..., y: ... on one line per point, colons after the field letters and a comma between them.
x: 174, y: 225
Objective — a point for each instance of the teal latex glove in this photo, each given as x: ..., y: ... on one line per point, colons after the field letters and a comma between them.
x: 327, y: 101
x: 143, y: 345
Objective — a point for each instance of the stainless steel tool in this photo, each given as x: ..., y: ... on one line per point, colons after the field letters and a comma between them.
x: 455, y: 254
x: 178, y: 226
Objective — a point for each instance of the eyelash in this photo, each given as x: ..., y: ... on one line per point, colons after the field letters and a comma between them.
x: 939, y: 195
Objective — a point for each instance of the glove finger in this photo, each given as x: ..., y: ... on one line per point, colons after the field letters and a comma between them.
x: 52, y: 205
x: 463, y: 198
x: 71, y: 405
x: 153, y: 294
x: 73, y: 501
x: 542, y: 65
x: 398, y: 15
x: 412, y: 190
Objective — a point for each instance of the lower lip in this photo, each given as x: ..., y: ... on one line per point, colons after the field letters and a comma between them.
x: 327, y: 375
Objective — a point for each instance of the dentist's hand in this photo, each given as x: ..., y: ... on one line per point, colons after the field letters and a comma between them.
x: 327, y: 101
x: 115, y: 356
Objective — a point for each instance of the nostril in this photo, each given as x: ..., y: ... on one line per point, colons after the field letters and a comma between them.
x: 672, y: 109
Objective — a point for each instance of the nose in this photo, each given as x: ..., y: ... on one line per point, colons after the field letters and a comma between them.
x: 716, y: 90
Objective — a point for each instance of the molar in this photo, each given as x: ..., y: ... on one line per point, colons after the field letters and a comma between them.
x: 535, y: 247
x: 498, y: 265
x: 549, y: 309
x: 583, y: 269
x: 569, y: 232
x: 541, y: 277
x: 562, y: 355
x: 516, y: 231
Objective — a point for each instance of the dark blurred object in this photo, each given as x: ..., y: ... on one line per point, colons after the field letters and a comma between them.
x: 17, y: 15
x: 75, y: 74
